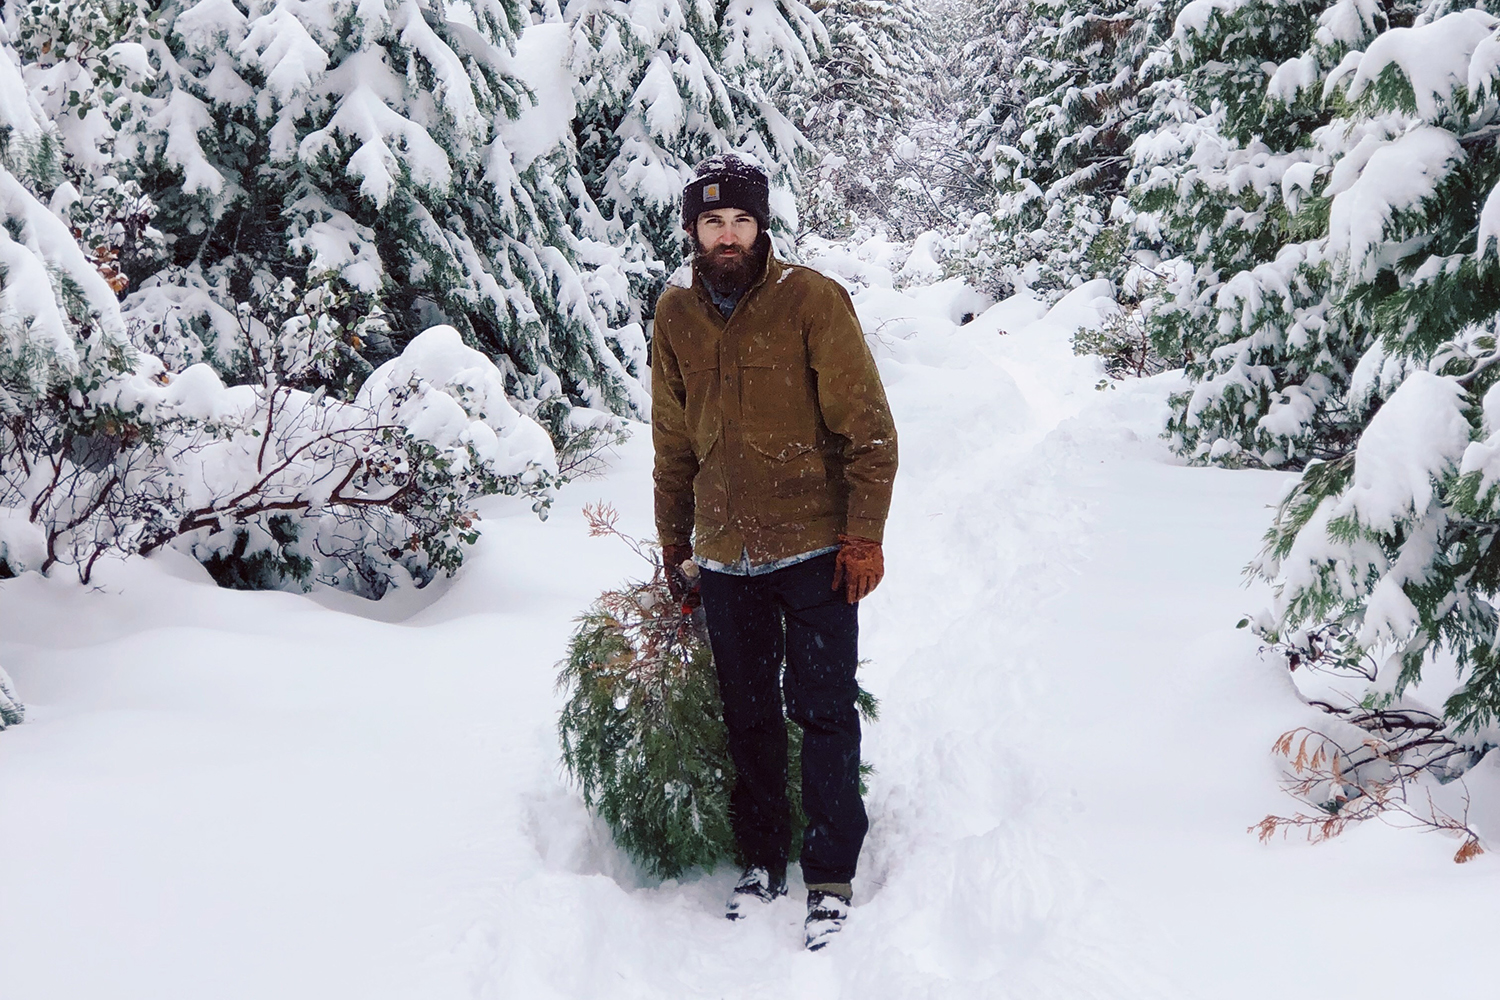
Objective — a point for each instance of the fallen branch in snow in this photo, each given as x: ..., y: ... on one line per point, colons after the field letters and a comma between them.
x: 272, y: 486
x: 1389, y: 765
x: 1376, y: 779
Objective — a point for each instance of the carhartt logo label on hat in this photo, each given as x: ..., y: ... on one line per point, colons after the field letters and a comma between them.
x: 710, y: 192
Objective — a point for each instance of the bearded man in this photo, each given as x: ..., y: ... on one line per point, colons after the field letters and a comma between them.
x: 775, y: 454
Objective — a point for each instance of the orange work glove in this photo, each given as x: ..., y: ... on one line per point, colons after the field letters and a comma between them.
x: 858, y: 568
x: 672, y: 558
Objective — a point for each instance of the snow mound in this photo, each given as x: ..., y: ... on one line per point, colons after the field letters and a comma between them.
x: 460, y: 400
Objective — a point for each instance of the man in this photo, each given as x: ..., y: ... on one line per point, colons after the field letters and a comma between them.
x: 775, y: 454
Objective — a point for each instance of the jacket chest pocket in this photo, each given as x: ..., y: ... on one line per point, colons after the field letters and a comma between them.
x: 780, y: 398
x: 776, y: 385
x: 780, y: 349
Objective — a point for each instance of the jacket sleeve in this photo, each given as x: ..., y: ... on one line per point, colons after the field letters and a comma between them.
x: 854, y: 407
x: 676, y: 465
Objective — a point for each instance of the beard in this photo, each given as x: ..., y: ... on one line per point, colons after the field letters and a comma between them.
x: 732, y: 274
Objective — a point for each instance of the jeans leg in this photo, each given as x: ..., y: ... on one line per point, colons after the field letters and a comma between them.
x: 822, y: 654
x: 745, y: 631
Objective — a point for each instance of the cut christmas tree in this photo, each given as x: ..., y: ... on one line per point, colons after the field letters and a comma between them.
x: 642, y: 732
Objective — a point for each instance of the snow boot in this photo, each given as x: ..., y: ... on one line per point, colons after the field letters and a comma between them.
x: 757, y: 884
x: 826, y: 913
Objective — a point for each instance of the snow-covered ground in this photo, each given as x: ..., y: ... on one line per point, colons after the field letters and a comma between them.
x: 225, y: 795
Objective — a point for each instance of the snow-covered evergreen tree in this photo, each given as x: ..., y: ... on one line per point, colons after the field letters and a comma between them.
x: 884, y: 157
x: 1081, y: 69
x: 650, y: 104
x: 335, y: 178
x: 1088, y: 76
x: 59, y: 319
x: 662, y: 85
x: 990, y: 39
x: 1382, y: 555
x: 105, y: 451
x: 878, y: 51
x: 86, y: 67
x: 1242, y: 194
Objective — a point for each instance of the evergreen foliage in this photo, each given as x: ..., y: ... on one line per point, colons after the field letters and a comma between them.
x: 1082, y: 71
x: 1089, y: 73
x: 1335, y: 291
x: 335, y: 177
x: 85, y: 65
x: 1387, y: 548
x: 108, y: 452
x: 1124, y: 344
x: 291, y: 192
x: 1242, y: 194
x: 641, y: 732
x: 877, y: 56
x: 661, y: 86
x: 1311, y: 189
x: 346, y: 174
x: 651, y: 104
x: 989, y: 37
x: 885, y: 154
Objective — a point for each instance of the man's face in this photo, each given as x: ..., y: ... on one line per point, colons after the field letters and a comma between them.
x: 726, y: 232
x: 726, y: 247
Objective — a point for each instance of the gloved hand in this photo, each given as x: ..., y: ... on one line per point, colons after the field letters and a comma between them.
x: 858, y: 568
x: 672, y: 558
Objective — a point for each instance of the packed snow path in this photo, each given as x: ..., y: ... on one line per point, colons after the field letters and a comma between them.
x: 233, y: 795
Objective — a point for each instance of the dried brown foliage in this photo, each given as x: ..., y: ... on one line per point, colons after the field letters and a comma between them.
x: 1378, y: 778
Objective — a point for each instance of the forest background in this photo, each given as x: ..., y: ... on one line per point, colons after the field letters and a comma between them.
x: 288, y: 285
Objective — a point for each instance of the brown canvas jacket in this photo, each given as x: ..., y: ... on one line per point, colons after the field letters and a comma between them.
x: 772, y: 430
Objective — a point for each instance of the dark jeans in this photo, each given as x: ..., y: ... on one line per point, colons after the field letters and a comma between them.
x: 754, y: 623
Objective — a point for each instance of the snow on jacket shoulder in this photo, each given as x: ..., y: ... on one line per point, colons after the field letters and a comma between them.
x: 772, y: 430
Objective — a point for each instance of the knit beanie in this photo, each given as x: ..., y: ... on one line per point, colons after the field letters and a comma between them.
x: 728, y: 180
